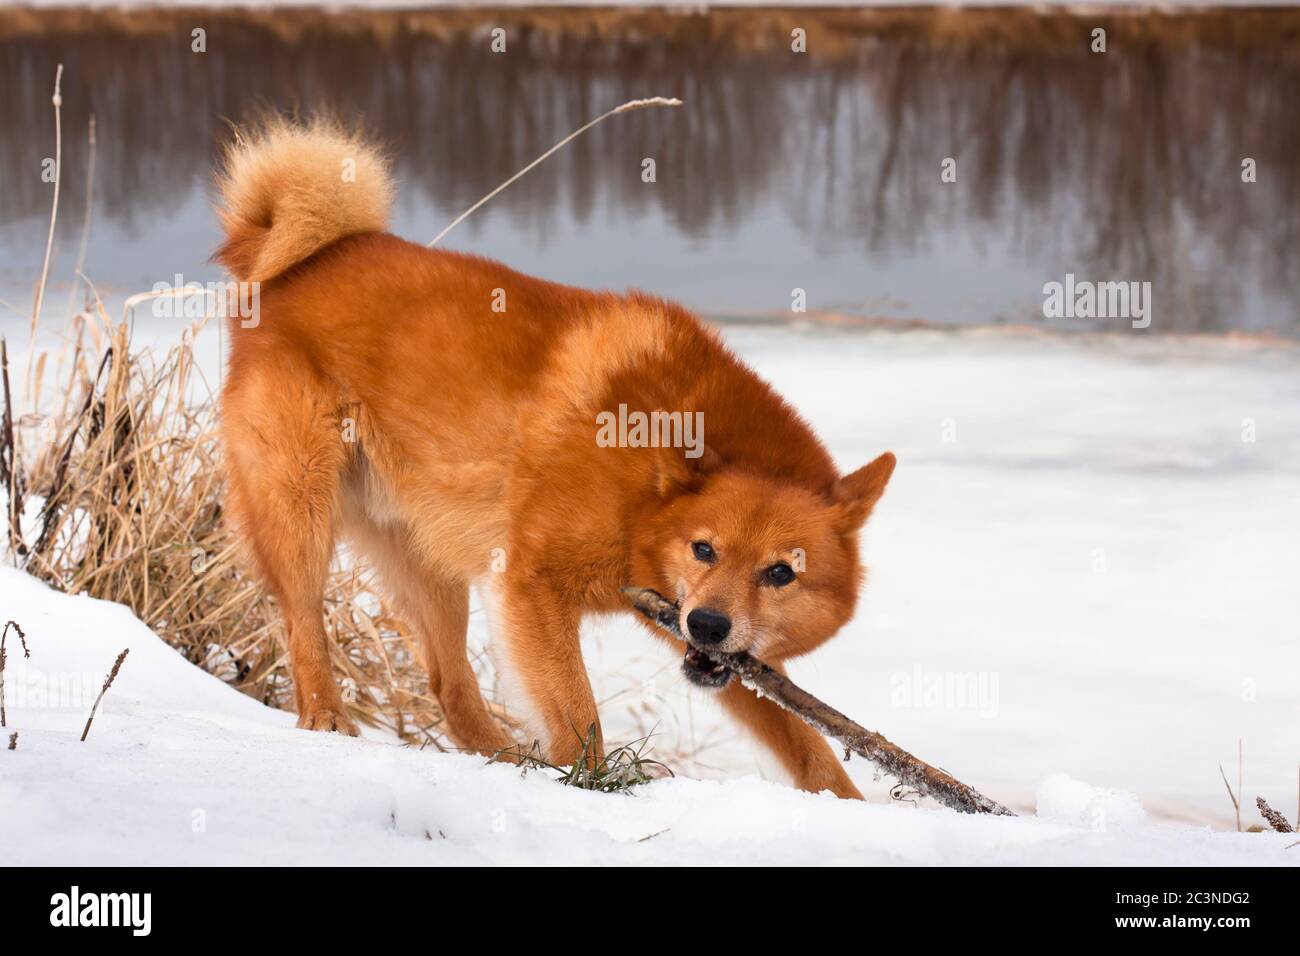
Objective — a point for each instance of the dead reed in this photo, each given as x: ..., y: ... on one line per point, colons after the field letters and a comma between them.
x: 4, y: 657
x: 108, y: 682
x: 618, y: 771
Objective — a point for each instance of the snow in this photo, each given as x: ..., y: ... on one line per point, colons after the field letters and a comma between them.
x: 181, y: 769
x: 1081, y: 572
x: 1061, y: 797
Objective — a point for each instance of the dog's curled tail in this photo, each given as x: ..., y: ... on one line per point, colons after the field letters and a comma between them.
x: 287, y: 190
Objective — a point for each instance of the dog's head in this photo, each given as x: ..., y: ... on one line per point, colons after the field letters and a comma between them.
x: 760, y: 565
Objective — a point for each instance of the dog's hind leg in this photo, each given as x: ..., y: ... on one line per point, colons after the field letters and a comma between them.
x: 285, y: 455
x: 443, y: 619
x: 437, y: 606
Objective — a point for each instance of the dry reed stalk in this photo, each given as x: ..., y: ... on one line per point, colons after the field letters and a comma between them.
x: 108, y: 682
x: 4, y: 658
x: 9, y: 472
x: 13, y: 740
x: 627, y: 107
x: 1236, y: 802
x: 57, y: 100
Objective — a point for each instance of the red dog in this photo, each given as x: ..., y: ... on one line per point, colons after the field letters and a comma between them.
x: 456, y: 420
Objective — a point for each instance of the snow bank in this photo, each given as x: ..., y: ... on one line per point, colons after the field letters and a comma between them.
x: 181, y: 769
x: 1061, y: 797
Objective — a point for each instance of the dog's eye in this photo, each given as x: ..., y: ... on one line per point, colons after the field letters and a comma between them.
x: 779, y: 574
x: 703, y: 551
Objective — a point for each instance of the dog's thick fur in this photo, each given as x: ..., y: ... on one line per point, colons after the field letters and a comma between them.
x: 381, y: 397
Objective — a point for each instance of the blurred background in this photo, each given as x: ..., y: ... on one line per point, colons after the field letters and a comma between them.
x: 818, y: 171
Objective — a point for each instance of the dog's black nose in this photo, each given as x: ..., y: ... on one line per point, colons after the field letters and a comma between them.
x: 708, y: 627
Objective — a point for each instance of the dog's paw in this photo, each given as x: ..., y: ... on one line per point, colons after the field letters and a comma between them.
x: 327, y: 719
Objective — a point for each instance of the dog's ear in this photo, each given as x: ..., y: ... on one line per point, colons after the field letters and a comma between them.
x: 676, y: 474
x: 857, y: 493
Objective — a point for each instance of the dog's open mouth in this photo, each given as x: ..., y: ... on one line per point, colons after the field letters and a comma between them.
x: 701, y: 670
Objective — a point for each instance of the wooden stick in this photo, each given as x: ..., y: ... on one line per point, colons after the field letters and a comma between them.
x: 762, y: 680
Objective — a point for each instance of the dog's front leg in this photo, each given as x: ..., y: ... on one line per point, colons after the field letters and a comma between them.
x: 540, y: 629
x: 802, y: 750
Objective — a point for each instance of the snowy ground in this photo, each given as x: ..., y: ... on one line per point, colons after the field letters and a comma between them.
x: 1081, y: 570
x: 180, y: 769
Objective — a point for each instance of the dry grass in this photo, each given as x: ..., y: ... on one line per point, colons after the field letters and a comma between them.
x: 125, y: 469
x: 618, y: 771
x: 108, y: 682
x: 1234, y: 796
x: 4, y: 657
